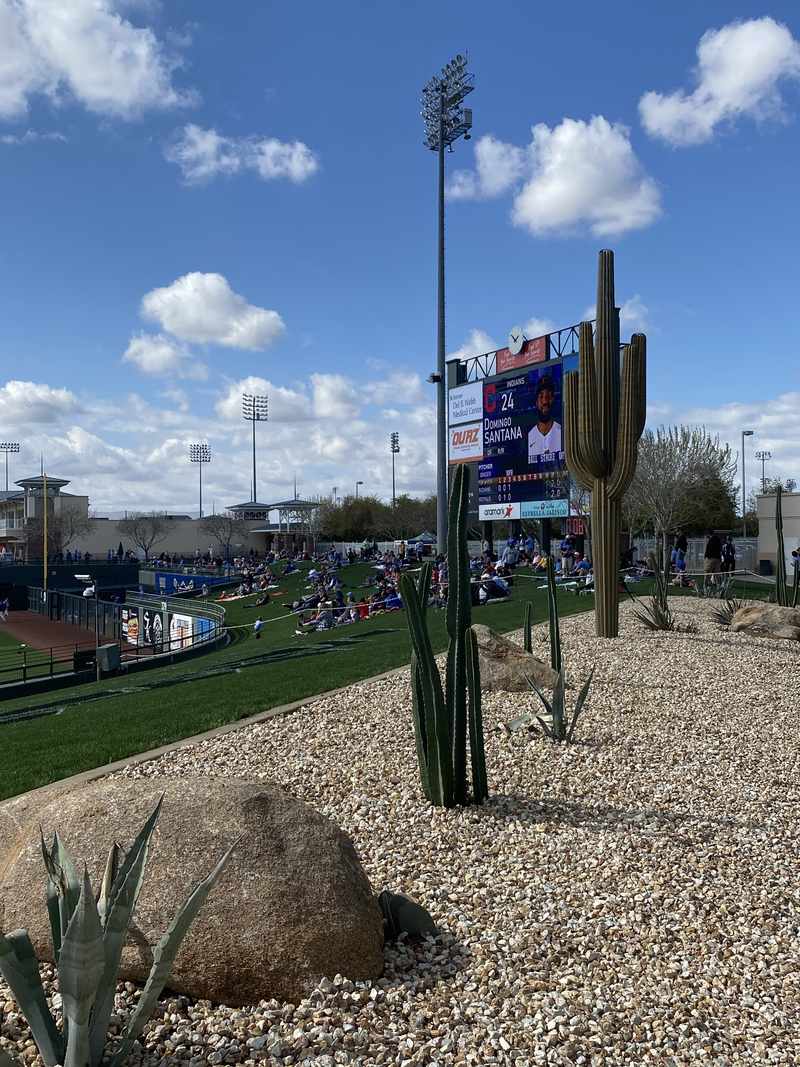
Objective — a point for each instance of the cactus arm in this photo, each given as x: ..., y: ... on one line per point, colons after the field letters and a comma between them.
x: 607, y: 356
x: 526, y: 628
x: 639, y: 349
x: 572, y: 450
x: 627, y: 437
x: 591, y: 449
x: 459, y: 619
x: 440, y: 759
x: 417, y: 696
x: 480, y: 789
x: 555, y: 632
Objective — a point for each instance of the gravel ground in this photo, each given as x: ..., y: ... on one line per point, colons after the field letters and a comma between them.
x: 632, y: 898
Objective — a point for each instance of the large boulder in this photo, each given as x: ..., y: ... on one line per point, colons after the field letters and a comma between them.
x: 292, y: 906
x: 504, y: 665
x: 767, y: 620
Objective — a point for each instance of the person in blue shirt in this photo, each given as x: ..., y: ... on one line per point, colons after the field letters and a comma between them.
x: 257, y: 625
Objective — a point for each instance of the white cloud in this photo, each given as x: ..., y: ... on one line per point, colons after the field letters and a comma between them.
x: 399, y: 387
x: 476, y: 343
x: 335, y: 397
x: 31, y: 135
x: 32, y: 402
x: 634, y: 316
x: 85, y: 50
x: 285, y: 405
x: 159, y: 356
x: 775, y: 423
x: 738, y: 71
x: 536, y: 327
x: 177, y: 396
x: 574, y: 175
x: 203, y: 308
x: 204, y: 155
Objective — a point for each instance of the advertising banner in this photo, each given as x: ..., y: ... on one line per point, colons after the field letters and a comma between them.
x: 534, y: 351
x: 151, y: 629
x: 499, y: 512
x: 130, y: 625
x: 180, y: 632
x: 465, y: 404
x: 544, y: 509
x: 466, y: 443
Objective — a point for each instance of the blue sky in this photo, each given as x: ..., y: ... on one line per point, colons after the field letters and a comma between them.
x: 200, y: 203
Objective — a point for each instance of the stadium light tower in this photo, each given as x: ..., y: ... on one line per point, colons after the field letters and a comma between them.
x: 254, y: 409
x: 8, y: 446
x: 200, y: 454
x: 357, y: 485
x: 745, y: 433
x: 763, y: 456
x: 445, y: 121
x: 395, y: 447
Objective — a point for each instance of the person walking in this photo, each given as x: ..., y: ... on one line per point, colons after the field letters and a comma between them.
x: 257, y: 625
x: 728, y: 555
x: 712, y: 558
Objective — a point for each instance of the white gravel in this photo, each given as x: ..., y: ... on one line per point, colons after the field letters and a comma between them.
x: 629, y: 899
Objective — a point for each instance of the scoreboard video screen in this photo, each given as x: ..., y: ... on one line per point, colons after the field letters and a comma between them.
x: 522, y: 446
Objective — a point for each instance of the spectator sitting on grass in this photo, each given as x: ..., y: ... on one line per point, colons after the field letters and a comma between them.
x: 260, y: 602
x: 393, y: 601
x: 323, y: 620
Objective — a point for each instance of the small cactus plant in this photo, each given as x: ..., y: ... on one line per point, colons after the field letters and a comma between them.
x: 445, y: 718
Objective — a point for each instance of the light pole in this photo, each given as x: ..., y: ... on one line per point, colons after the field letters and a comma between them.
x: 445, y: 121
x: 8, y: 446
x: 357, y: 485
x: 395, y: 447
x: 763, y: 456
x: 254, y: 409
x: 745, y: 433
x: 201, y: 454
x: 93, y: 588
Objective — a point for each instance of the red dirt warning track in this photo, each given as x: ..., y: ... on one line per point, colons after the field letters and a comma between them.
x: 38, y: 632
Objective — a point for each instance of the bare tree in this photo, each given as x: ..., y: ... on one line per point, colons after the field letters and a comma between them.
x: 226, y: 529
x: 673, y: 467
x: 64, y: 527
x: 145, y: 529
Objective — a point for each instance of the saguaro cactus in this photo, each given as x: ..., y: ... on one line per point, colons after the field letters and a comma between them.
x: 603, y: 421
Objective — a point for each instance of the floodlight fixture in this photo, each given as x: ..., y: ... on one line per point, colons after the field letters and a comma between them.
x: 8, y: 446
x: 200, y: 454
x: 445, y: 121
x: 763, y: 456
x: 254, y: 409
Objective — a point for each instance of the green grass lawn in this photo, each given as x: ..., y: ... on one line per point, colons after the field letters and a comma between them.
x: 78, y: 729
x: 48, y: 737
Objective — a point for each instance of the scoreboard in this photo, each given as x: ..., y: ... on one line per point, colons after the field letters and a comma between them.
x: 517, y: 447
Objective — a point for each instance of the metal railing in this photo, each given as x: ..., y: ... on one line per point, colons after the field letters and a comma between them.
x: 76, y: 610
x: 28, y: 664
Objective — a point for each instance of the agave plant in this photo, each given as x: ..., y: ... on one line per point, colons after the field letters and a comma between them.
x: 557, y: 729
x: 726, y: 610
x: 654, y: 615
x: 88, y: 938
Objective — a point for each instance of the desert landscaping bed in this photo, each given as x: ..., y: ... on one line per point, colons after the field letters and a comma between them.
x: 632, y: 898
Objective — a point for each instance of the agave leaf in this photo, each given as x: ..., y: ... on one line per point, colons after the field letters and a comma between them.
x: 80, y: 968
x: 547, y: 705
x: 66, y: 883
x: 548, y: 732
x: 559, y: 728
x: 579, y: 705
x: 124, y: 894
x: 20, y: 968
x: 53, y: 908
x: 163, y: 958
x: 105, y: 888
x: 521, y: 720
x: 6, y: 1061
